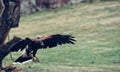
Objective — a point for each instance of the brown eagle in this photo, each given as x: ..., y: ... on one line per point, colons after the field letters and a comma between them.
x: 32, y: 45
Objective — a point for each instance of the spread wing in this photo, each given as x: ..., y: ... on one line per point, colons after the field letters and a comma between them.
x: 57, y: 39
x: 20, y: 45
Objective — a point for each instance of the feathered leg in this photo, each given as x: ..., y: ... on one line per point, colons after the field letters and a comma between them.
x: 35, y: 59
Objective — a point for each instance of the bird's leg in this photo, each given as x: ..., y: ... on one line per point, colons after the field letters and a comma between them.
x: 34, y: 53
x: 34, y: 58
x: 1, y: 67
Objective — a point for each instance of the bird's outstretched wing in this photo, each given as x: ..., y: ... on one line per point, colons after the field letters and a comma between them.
x: 57, y: 39
x: 20, y: 45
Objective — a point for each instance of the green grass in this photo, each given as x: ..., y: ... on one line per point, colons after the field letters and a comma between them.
x: 96, y: 27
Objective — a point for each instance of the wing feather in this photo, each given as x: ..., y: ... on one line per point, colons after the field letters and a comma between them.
x: 20, y: 45
x: 57, y: 39
x: 22, y: 59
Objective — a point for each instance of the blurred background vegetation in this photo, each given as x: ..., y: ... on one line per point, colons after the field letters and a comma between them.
x: 30, y: 6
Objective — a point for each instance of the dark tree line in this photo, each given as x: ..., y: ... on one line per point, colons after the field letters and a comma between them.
x: 9, y: 18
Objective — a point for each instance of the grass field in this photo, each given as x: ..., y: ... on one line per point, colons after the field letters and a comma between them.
x: 96, y: 27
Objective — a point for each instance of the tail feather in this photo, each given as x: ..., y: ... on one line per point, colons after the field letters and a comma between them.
x: 22, y: 59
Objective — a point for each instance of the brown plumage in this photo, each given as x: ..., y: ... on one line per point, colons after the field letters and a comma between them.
x: 43, y: 43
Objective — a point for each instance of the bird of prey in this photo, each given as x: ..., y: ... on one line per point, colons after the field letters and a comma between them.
x: 32, y: 45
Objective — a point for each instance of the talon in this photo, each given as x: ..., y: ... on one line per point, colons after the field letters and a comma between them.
x: 35, y: 59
